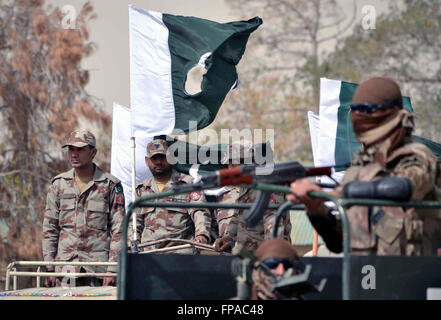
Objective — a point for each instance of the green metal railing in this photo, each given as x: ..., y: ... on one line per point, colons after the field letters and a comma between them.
x: 145, y: 201
x: 340, y: 205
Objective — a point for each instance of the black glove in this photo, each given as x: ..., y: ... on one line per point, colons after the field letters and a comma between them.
x: 389, y: 188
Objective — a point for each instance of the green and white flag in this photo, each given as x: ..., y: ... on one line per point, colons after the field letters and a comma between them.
x: 332, y: 134
x: 163, y: 48
x: 336, y: 143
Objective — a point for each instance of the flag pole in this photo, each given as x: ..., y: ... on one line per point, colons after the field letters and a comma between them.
x: 134, y: 242
x: 315, y: 244
x: 315, y: 238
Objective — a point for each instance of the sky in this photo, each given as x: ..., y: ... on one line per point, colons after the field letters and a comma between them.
x: 109, y: 64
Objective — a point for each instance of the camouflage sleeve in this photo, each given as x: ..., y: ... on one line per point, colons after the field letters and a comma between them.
x: 116, y: 218
x: 422, y: 173
x: 227, y: 218
x: 269, y: 220
x: 349, y: 176
x: 201, y: 217
x: 287, y: 226
x: 51, y: 229
x: 228, y: 221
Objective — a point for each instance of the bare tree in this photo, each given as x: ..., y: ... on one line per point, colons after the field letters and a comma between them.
x: 294, y: 38
x: 42, y: 99
x: 280, y: 71
x: 405, y: 45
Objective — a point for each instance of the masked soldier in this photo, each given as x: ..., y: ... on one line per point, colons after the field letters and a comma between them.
x: 389, y: 166
x: 233, y: 230
x: 278, y: 255
x: 159, y: 223
x: 84, y: 213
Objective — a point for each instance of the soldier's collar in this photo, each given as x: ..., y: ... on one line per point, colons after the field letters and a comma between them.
x: 148, y: 183
x: 176, y: 177
x: 68, y: 174
x: 98, y: 174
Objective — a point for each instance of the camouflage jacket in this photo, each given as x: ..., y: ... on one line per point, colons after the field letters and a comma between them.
x: 250, y: 238
x: 227, y: 218
x: 180, y: 223
x: 83, y: 226
x: 394, y: 230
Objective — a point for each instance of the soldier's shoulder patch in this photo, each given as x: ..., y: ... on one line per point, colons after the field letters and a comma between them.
x: 119, y: 198
x: 119, y: 188
x: 195, y: 195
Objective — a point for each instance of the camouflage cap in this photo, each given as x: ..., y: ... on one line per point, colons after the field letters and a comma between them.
x: 276, y: 248
x: 81, y: 139
x: 157, y: 146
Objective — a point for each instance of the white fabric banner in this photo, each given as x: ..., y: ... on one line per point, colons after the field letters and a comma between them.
x: 121, y: 158
x: 328, y: 114
x: 314, y: 131
x: 151, y: 95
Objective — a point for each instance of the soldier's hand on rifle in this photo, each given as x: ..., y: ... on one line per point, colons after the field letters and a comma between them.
x: 222, y: 244
x: 109, y: 281
x: 201, y: 239
x: 300, y: 189
x: 50, y: 282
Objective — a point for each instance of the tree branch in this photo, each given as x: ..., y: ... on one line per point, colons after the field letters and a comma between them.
x: 4, y: 174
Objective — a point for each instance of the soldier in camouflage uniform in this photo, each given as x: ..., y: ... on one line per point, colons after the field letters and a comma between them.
x: 84, y: 213
x: 233, y: 230
x: 388, y: 152
x: 160, y: 223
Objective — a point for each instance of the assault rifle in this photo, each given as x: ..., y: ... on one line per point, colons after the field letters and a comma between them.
x: 280, y: 173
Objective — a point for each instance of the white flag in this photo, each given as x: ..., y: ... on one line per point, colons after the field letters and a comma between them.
x: 121, y: 159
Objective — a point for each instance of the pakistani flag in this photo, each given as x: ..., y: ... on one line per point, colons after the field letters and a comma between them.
x: 336, y: 142
x: 163, y: 49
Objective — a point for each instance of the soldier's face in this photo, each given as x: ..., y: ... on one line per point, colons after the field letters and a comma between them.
x: 81, y: 157
x: 279, y: 270
x: 158, y: 165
